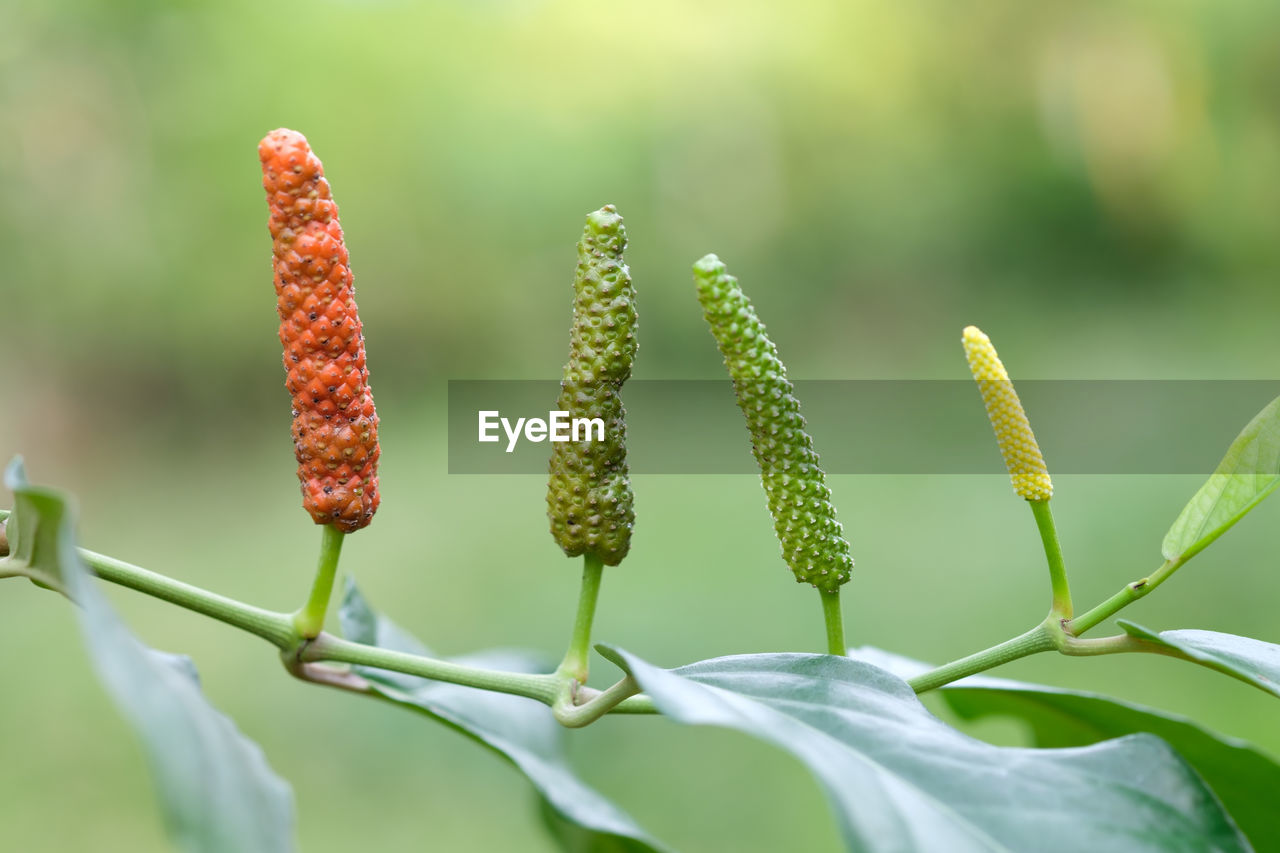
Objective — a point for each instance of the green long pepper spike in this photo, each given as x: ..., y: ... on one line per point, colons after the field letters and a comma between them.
x: 589, y: 500
x: 804, y: 519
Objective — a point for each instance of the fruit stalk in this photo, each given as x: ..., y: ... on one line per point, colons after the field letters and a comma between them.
x: 1022, y: 457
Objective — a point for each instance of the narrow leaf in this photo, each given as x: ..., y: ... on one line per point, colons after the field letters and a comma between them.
x: 898, y: 778
x: 1244, y: 777
x: 1252, y: 661
x: 1248, y: 473
x: 215, y: 787
x: 521, y: 730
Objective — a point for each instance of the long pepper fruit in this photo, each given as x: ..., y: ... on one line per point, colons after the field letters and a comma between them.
x: 589, y: 501
x: 804, y: 518
x: 1018, y: 446
x: 335, y: 426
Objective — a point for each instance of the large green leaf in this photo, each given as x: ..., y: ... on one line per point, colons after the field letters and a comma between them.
x: 521, y: 730
x: 1248, y: 473
x: 215, y: 787
x: 1243, y: 777
x: 898, y: 778
x: 1252, y: 661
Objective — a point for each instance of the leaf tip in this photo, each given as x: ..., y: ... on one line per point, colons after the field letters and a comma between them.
x: 614, y: 656
x: 15, y: 474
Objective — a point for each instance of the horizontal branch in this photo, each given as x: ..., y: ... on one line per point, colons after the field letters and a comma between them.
x: 327, y: 647
x: 1038, y: 639
x: 275, y: 628
x: 300, y: 654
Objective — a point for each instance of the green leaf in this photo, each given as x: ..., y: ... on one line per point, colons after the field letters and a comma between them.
x: 32, y: 531
x: 521, y: 730
x: 898, y: 778
x: 215, y: 787
x: 1252, y: 661
x: 1243, y: 777
x: 573, y: 837
x: 1248, y: 473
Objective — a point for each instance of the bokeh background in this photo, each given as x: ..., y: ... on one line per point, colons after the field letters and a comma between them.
x: 1095, y: 184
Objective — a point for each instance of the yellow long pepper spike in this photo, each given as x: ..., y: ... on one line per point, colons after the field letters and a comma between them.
x: 1027, y: 471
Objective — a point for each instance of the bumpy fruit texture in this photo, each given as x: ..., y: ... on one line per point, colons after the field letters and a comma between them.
x: 804, y: 519
x: 335, y: 427
x: 589, y: 500
x: 1027, y: 471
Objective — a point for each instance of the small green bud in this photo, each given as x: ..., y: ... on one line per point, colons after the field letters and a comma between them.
x: 813, y: 542
x: 589, y: 500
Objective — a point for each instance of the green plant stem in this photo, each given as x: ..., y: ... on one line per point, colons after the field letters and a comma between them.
x: 1119, y: 644
x: 41, y: 579
x: 586, y: 707
x: 299, y: 654
x: 278, y: 629
x: 1123, y: 643
x: 1061, y: 606
x: 641, y: 703
x: 310, y: 619
x: 327, y: 647
x: 1038, y: 639
x: 576, y: 661
x: 1122, y: 599
x: 275, y: 628
x: 834, y: 618
x: 1062, y: 634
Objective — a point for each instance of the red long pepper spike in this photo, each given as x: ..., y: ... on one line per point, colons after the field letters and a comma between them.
x: 335, y: 425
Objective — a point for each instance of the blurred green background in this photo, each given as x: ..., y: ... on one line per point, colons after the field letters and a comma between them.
x: 1095, y: 184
